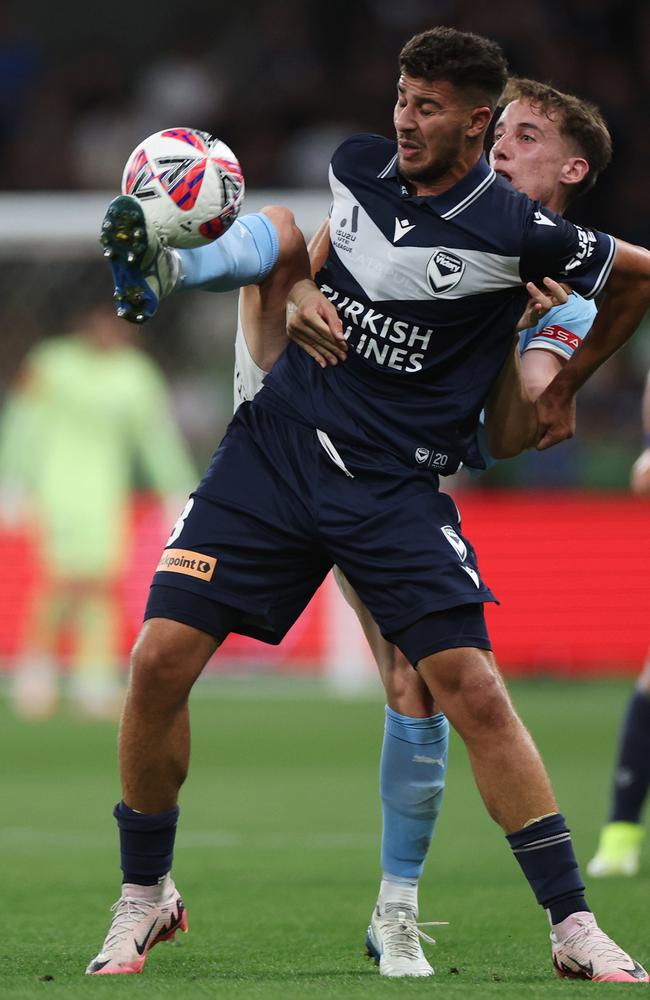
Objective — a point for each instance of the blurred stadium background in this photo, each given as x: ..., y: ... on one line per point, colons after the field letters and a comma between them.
x: 562, y: 543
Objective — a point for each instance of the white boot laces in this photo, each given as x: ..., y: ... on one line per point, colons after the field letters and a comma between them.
x: 128, y: 912
x: 601, y: 946
x: 402, y: 934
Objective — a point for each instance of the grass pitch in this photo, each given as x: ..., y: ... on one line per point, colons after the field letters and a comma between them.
x: 277, y: 853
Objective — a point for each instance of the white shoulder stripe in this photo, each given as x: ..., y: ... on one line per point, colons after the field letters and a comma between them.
x: 471, y: 197
x: 387, y: 169
x: 604, y: 273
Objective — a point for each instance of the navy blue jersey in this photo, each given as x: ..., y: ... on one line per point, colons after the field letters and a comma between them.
x: 429, y: 290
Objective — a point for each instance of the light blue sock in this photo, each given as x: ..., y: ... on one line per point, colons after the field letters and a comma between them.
x: 245, y: 255
x: 412, y: 780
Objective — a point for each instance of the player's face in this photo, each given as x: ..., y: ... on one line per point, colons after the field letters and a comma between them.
x: 431, y: 121
x: 531, y: 153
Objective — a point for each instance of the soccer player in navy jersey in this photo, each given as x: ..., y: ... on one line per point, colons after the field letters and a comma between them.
x: 429, y: 255
x: 619, y: 845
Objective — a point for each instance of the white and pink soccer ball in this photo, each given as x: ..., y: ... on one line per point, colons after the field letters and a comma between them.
x: 190, y: 185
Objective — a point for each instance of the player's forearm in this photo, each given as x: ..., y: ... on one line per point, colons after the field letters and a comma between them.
x: 619, y: 317
x: 627, y: 299
x: 510, y: 417
x: 318, y: 247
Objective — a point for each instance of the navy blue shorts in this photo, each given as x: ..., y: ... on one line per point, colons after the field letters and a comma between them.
x: 275, y: 512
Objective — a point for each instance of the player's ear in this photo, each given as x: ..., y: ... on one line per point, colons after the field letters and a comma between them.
x: 479, y: 120
x: 574, y: 170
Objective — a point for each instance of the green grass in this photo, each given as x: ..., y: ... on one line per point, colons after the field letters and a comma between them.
x: 277, y: 853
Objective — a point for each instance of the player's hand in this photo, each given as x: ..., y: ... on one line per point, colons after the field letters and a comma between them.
x: 540, y: 300
x: 640, y: 476
x: 556, y: 417
x: 314, y: 324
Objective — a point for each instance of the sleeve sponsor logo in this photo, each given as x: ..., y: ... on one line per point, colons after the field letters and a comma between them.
x: 586, y: 245
x: 187, y: 562
x: 560, y: 333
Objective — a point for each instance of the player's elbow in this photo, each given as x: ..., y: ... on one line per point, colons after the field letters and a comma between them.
x: 630, y: 275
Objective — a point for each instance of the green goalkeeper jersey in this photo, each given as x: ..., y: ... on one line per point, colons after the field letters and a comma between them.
x: 75, y: 428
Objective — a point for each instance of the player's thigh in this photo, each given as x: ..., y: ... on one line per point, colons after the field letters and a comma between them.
x: 406, y: 692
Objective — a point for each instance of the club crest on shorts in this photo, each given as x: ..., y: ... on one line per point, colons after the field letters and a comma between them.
x: 444, y: 270
x: 455, y: 541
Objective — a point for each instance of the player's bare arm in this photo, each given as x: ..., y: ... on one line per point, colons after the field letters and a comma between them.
x: 627, y: 298
x: 312, y: 321
x: 510, y: 415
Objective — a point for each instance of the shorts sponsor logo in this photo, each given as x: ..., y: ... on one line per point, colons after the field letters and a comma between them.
x: 188, y: 562
x: 560, y: 333
x: 444, y: 270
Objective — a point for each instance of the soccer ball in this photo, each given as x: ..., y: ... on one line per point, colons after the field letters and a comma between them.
x: 190, y: 184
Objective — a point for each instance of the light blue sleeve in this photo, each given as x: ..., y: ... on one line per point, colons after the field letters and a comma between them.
x: 245, y: 255
x: 562, y: 329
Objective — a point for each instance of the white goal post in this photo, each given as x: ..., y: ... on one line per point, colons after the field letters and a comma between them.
x: 46, y: 223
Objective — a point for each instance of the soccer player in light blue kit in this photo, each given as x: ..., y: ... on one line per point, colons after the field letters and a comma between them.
x: 147, y: 826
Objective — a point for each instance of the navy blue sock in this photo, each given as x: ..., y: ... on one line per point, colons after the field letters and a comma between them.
x: 545, y: 853
x: 146, y: 843
x: 632, y: 775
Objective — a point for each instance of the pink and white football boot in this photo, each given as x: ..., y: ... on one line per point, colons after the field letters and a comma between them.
x: 144, y: 915
x: 582, y: 951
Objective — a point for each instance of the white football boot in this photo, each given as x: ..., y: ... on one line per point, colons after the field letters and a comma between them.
x: 137, y: 926
x: 145, y: 269
x: 580, y: 950
x: 393, y: 941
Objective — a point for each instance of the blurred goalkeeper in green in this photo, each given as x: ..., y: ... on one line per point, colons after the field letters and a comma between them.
x: 88, y: 413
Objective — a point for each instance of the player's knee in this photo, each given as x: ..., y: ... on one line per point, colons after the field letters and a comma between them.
x: 406, y: 692
x: 484, y: 706
x: 159, y: 675
x: 470, y: 690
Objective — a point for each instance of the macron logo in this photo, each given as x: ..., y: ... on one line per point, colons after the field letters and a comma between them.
x: 542, y: 220
x: 402, y: 227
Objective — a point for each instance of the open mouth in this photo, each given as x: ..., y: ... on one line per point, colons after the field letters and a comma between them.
x: 504, y: 174
x: 406, y: 146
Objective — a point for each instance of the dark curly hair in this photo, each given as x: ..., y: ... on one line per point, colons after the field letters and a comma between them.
x: 579, y: 121
x: 470, y: 62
